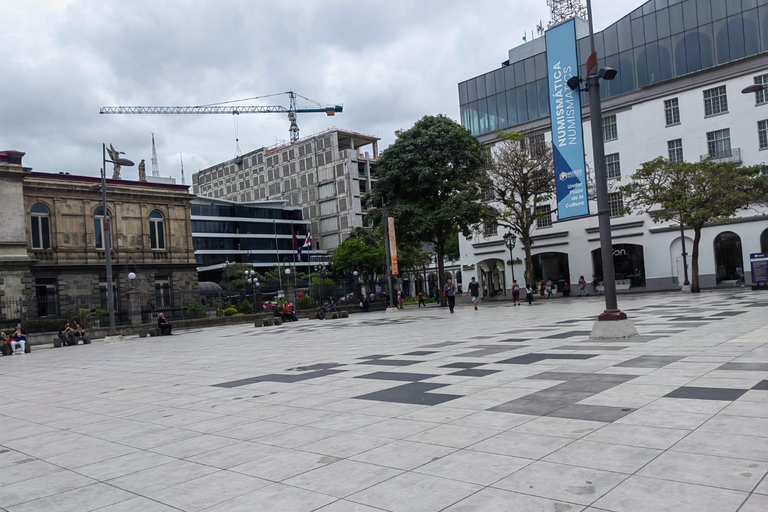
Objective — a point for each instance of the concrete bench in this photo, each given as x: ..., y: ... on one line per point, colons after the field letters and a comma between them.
x: 58, y: 342
x: 149, y: 331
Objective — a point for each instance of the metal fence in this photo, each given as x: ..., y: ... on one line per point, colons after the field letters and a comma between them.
x: 49, y: 312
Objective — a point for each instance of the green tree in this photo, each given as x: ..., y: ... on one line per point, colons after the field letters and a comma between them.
x: 363, y: 251
x: 452, y: 251
x: 521, y: 178
x: 696, y: 193
x: 430, y: 180
x: 233, y: 277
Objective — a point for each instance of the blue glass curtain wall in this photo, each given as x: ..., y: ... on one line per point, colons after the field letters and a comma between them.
x: 660, y: 40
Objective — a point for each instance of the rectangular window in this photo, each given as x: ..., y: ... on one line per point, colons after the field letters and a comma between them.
x: 613, y: 166
x: 675, y: 149
x: 616, y: 204
x: 610, y: 128
x: 719, y: 143
x: 762, y: 133
x: 672, y: 112
x: 715, y: 101
x: 760, y: 96
x: 490, y: 229
x: 544, y: 216
x: 162, y: 291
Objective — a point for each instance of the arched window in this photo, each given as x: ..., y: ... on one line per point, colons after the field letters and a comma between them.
x: 156, y: 231
x: 41, y: 227
x: 100, y: 226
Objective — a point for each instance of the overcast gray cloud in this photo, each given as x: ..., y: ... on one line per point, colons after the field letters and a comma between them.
x: 389, y: 63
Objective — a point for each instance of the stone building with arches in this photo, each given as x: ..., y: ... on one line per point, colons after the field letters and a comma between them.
x: 681, y: 68
x: 52, y: 236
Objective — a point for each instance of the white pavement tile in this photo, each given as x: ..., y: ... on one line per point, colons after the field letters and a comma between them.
x: 273, y: 498
x: 755, y: 503
x: 124, y: 465
x: 608, y: 457
x: 726, y: 473
x: 453, y: 436
x: 560, y: 427
x: 412, y: 492
x: 40, y: 487
x: 497, y: 500
x: 405, y: 455
x: 518, y: 444
x: 640, y: 494
x: 474, y: 467
x: 207, y: 491
x: 559, y: 482
x: 160, y: 477
x: 284, y: 464
x: 342, y: 478
x: 84, y: 499
x: 234, y: 455
x: 638, y: 435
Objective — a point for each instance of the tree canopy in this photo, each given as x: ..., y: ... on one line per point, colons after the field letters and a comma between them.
x: 522, y: 178
x: 697, y: 193
x: 363, y: 251
x: 430, y: 179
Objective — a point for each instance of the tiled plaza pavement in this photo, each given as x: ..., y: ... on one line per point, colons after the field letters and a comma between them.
x: 504, y: 409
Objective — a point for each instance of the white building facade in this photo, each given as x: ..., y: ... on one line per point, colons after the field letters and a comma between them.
x: 682, y: 66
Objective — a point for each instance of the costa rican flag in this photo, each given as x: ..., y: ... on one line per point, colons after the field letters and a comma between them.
x: 307, y: 243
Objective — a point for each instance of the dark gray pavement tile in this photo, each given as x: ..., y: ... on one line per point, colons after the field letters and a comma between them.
x: 696, y: 393
x: 591, y: 412
x: 390, y: 362
x: 535, y: 358
x: 276, y: 377
x: 408, y: 377
x: 650, y: 361
x: 414, y: 393
x: 761, y: 386
x: 557, y: 376
x: 420, y: 353
x: 463, y: 365
x: 745, y: 367
x: 474, y: 373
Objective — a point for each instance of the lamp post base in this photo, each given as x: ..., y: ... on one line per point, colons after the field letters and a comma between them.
x: 686, y: 288
x: 613, y: 323
x: 392, y: 309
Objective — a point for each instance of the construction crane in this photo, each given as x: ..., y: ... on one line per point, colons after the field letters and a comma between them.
x: 218, y: 108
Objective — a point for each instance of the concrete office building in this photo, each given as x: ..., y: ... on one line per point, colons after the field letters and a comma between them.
x: 325, y: 175
x: 681, y: 68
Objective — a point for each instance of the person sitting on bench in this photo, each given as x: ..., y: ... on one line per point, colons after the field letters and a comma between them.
x: 164, y: 325
x: 5, y: 344
x: 18, y: 339
x: 289, y: 315
x: 67, y: 335
x: 79, y: 332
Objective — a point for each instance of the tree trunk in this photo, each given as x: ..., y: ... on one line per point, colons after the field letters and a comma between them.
x: 695, y: 261
x: 528, y: 264
x: 440, y: 247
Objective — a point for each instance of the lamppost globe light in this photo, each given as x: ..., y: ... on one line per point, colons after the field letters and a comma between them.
x: 251, y: 272
x: 131, y: 276
x: 354, y: 273
x: 287, y: 271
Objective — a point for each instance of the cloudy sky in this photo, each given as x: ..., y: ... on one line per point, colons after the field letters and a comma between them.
x: 388, y: 62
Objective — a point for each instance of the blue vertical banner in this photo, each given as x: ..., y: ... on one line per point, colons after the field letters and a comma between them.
x: 565, y: 114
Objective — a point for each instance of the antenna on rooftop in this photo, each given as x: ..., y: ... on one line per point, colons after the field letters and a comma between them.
x: 563, y: 10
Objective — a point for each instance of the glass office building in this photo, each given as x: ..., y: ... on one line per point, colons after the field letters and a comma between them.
x: 658, y: 41
x: 259, y: 233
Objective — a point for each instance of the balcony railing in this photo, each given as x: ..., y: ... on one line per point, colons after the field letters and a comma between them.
x: 732, y: 155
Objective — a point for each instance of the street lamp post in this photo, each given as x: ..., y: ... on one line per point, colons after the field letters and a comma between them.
x: 358, y: 286
x: 612, y: 322
x: 686, y: 284
x: 107, y: 236
x: 252, y: 279
x: 510, y: 239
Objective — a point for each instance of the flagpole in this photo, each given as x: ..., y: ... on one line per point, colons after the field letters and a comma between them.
x: 277, y: 254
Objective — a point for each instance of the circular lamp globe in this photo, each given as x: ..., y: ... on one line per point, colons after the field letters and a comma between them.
x: 287, y: 271
x: 131, y: 275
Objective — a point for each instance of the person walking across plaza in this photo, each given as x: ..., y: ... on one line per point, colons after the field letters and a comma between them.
x: 421, y: 300
x: 474, y: 292
x: 529, y: 294
x: 515, y: 293
x: 739, y: 277
x: 449, y: 290
x: 549, y: 288
x: 542, y: 288
x: 582, y: 286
